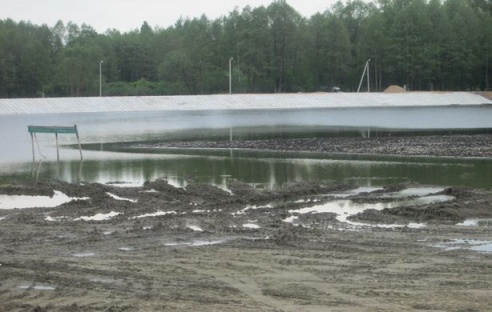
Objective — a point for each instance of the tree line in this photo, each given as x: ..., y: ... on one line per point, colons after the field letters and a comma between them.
x: 422, y: 44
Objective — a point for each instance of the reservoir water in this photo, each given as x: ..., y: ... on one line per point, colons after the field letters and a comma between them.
x: 263, y: 169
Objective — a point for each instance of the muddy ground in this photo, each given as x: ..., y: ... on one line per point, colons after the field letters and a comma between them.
x: 158, y: 248
x: 462, y: 145
x: 206, y: 249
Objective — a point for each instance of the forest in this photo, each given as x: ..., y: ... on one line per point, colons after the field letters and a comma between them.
x: 441, y: 45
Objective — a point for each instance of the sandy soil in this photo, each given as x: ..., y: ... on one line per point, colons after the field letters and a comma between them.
x: 205, y: 249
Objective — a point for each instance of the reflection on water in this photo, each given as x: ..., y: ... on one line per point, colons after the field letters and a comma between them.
x: 266, y: 170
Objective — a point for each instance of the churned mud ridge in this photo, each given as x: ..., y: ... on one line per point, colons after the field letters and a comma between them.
x: 479, y: 145
x: 203, y: 248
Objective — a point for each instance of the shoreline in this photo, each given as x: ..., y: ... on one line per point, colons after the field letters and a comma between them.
x: 461, y: 146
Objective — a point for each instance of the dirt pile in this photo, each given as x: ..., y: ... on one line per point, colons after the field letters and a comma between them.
x: 394, y: 89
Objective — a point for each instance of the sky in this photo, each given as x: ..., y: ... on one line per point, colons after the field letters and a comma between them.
x: 127, y: 15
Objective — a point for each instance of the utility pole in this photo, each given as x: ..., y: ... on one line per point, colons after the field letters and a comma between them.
x: 230, y: 75
x: 100, y: 78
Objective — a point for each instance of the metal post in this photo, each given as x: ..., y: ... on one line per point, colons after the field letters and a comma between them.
x: 78, y: 140
x: 57, y: 149
x: 230, y: 75
x: 368, y: 76
x: 100, y: 78
x: 33, y: 155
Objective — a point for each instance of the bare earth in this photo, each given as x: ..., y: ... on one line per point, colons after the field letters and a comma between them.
x: 205, y: 249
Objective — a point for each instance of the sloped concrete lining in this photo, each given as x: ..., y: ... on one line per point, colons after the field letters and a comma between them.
x: 237, y: 102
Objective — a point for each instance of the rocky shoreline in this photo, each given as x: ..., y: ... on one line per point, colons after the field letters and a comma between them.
x: 479, y: 145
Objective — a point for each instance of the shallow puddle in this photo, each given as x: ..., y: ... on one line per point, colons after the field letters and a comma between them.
x: 251, y: 226
x: 476, y: 222
x: 466, y: 244
x: 357, y: 191
x: 84, y: 254
x: 415, y: 191
x: 195, y: 243
x: 155, y: 214
x: 483, y: 248
x: 121, y: 198
x: 99, y: 216
x: 24, y: 201
x: 195, y: 228
x: 344, y: 208
x: 126, y: 248
x: 37, y: 287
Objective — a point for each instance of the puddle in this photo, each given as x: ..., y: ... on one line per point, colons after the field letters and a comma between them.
x: 195, y: 228
x: 155, y: 214
x: 251, y: 226
x: 37, y: 287
x: 415, y: 191
x: 195, y: 243
x: 121, y: 198
x: 126, y: 248
x: 357, y: 191
x: 344, y: 208
x: 476, y: 222
x: 465, y: 244
x: 99, y: 216
x: 487, y: 248
x: 24, y: 201
x: 84, y: 254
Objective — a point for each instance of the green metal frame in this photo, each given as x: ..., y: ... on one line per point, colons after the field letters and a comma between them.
x: 56, y: 130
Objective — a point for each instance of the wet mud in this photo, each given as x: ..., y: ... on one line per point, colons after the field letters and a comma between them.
x: 161, y: 248
x: 479, y: 145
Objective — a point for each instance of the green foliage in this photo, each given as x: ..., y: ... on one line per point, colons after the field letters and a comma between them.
x: 424, y: 44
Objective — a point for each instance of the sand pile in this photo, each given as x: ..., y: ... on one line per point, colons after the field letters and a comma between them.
x: 394, y: 89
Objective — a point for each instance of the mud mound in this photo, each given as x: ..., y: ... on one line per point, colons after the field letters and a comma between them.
x: 162, y: 186
x: 427, y: 213
x: 37, y: 189
x: 394, y: 89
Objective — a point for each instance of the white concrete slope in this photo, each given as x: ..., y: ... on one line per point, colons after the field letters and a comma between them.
x: 238, y: 102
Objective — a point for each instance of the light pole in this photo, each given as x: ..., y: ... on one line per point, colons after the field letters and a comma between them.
x: 100, y: 78
x: 230, y: 75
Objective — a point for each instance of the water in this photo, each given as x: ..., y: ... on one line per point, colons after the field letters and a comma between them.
x: 261, y: 169
x: 466, y: 244
x: 265, y: 170
x: 25, y: 201
x: 344, y: 208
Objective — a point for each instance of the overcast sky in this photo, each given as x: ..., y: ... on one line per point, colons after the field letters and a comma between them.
x: 127, y: 15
